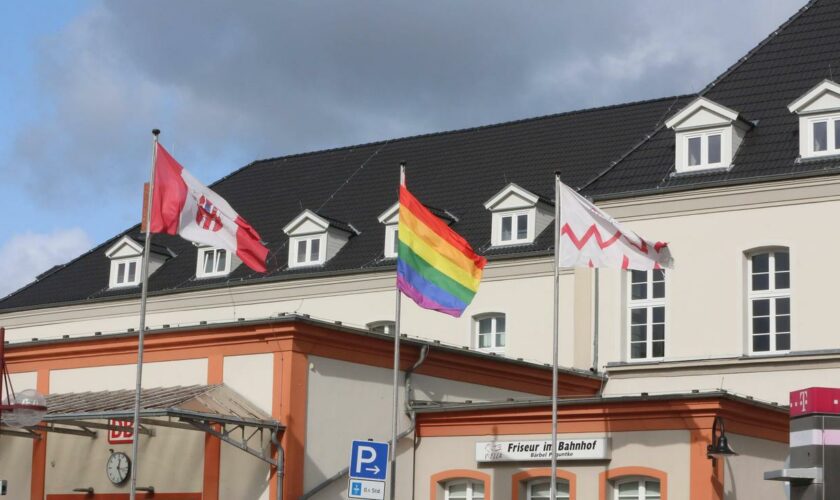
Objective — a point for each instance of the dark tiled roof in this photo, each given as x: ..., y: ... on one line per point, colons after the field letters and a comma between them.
x: 454, y: 171
x: 792, y: 60
x: 608, y: 152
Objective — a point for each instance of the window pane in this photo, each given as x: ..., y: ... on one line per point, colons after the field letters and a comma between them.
x: 485, y: 325
x: 782, y: 324
x: 658, y: 332
x: 208, y: 262
x: 658, y: 314
x: 132, y: 272
x: 783, y: 306
x: 836, y: 134
x: 820, y: 136
x: 500, y: 324
x: 782, y: 280
x: 782, y: 261
x: 638, y: 316
x: 507, y: 223
x: 478, y: 490
x: 761, y: 343
x: 638, y: 292
x: 761, y: 307
x: 783, y: 342
x: 659, y: 349
x: 761, y: 281
x: 761, y: 263
x: 483, y: 340
x: 500, y: 339
x: 220, y: 264
x: 638, y: 276
x: 121, y: 273
x: 315, y: 253
x: 301, y: 251
x: 396, y: 242
x: 761, y: 325
x: 714, y: 148
x: 694, y: 151
x: 521, y: 227
x: 658, y: 290
x: 652, y: 490
x: 638, y: 350
x: 457, y: 491
x: 638, y: 333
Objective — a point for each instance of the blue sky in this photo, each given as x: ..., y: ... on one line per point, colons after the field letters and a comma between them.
x: 83, y: 83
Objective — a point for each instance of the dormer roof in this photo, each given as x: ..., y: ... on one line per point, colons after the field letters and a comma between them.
x: 124, y: 247
x: 513, y: 197
x: 308, y: 222
x: 822, y: 97
x: 702, y: 113
x: 391, y: 215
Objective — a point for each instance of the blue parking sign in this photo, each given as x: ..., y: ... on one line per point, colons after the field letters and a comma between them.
x: 369, y: 460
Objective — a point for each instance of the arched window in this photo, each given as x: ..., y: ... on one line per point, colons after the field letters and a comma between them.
x: 637, y: 488
x: 769, y: 300
x: 464, y: 489
x: 490, y: 331
x: 540, y: 489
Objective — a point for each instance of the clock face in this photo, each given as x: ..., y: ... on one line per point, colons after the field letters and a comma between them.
x: 118, y: 467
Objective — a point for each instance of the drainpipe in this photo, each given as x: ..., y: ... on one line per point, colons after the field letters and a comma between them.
x: 424, y: 353
x: 281, y: 457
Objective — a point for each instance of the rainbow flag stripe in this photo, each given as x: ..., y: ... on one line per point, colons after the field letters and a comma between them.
x: 435, y: 265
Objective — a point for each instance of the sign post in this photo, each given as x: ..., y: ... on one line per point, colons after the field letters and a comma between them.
x: 368, y: 470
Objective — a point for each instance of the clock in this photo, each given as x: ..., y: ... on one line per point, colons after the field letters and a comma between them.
x: 118, y: 467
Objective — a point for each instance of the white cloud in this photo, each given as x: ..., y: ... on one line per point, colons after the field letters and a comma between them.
x: 26, y: 255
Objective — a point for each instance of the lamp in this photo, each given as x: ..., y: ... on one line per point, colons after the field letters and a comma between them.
x: 22, y: 409
x: 720, y: 444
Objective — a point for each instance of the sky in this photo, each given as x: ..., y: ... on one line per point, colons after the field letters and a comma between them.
x: 83, y: 83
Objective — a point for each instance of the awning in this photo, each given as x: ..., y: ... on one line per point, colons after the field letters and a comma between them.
x: 217, y: 410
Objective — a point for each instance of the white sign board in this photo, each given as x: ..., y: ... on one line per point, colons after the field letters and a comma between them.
x: 525, y: 451
x: 369, y: 490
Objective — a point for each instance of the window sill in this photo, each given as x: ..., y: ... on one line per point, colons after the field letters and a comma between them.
x: 784, y: 358
x: 692, y: 171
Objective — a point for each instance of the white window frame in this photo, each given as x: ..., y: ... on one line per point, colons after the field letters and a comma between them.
x: 771, y: 294
x: 391, y: 231
x: 200, y: 271
x: 704, y: 149
x: 641, y: 492
x: 387, y: 326
x: 529, y: 214
x: 293, y: 250
x: 832, y: 149
x: 544, y: 480
x: 115, y: 265
x: 470, y: 485
x: 494, y: 345
x: 648, y: 303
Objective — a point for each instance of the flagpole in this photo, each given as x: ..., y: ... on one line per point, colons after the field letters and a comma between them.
x: 555, y: 337
x: 147, y: 245
x: 395, y: 415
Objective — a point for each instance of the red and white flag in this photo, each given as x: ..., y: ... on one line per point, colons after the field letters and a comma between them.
x: 591, y: 238
x: 184, y: 206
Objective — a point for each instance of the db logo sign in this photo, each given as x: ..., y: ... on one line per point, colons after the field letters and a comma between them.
x: 124, y: 433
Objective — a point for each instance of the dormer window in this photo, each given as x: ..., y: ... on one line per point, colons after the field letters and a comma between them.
x: 707, y: 136
x: 519, y: 216
x: 126, y: 257
x: 819, y: 120
x: 214, y: 262
x: 314, y: 239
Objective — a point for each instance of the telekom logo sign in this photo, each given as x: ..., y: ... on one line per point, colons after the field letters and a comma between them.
x: 123, y: 435
x: 803, y: 400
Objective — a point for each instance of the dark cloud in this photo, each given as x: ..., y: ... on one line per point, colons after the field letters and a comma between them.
x: 229, y: 83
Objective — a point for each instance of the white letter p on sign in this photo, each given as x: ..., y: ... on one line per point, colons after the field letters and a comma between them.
x: 364, y: 455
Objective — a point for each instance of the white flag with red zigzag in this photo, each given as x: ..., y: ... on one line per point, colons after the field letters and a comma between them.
x: 591, y: 238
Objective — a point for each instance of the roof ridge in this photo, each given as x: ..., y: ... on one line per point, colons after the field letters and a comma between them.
x: 463, y: 130
x: 728, y: 71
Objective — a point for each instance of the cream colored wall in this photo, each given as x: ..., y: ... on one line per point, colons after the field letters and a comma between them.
x: 171, y: 461
x: 241, y: 475
x: 16, y: 465
x: 348, y: 401
x: 115, y: 377
x: 664, y: 450
x: 744, y: 473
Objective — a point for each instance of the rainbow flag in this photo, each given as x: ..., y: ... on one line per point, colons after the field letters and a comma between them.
x: 435, y: 265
